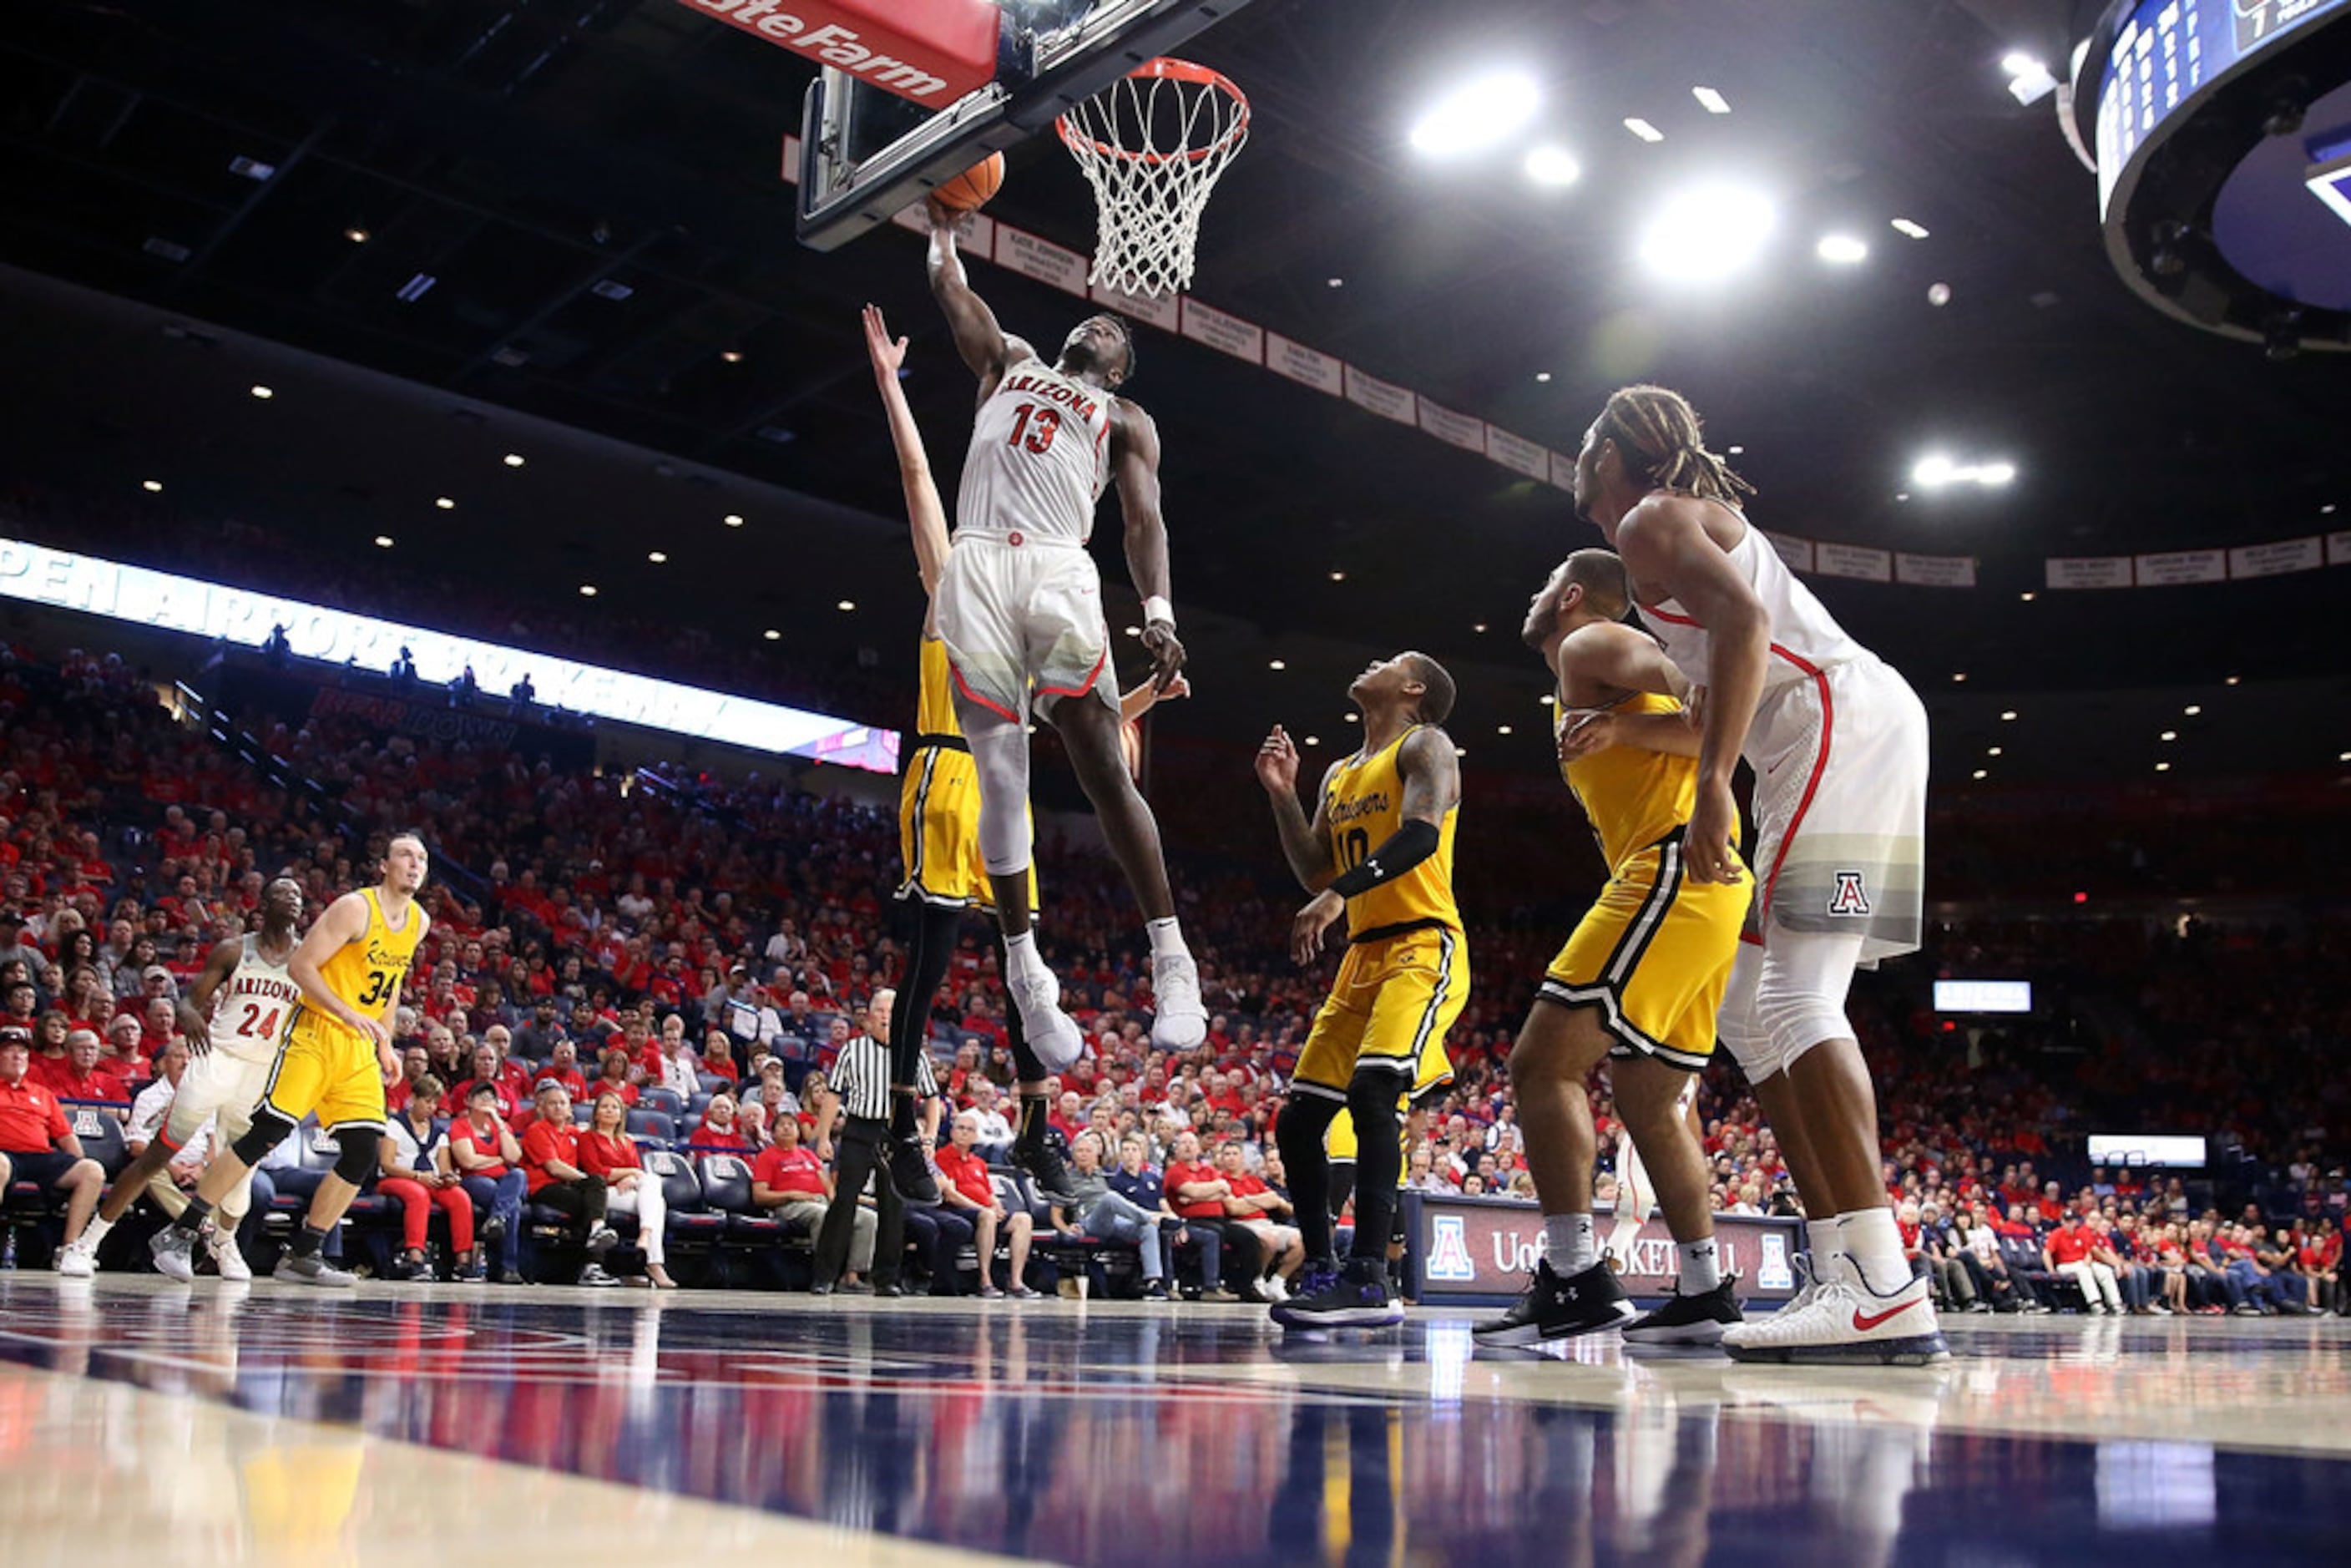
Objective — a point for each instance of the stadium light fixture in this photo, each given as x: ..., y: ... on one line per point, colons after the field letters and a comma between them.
x: 153, y: 487
x: 383, y: 541
x: 734, y: 519
x: 1710, y: 101
x: 515, y: 459
x: 846, y: 605
x: 1842, y: 250
x: 1644, y: 130
x: 1707, y: 234
x: 1938, y: 471
x: 1553, y: 167
x: 2029, y: 80
x: 1481, y: 112
x: 1904, y: 225
x: 263, y: 394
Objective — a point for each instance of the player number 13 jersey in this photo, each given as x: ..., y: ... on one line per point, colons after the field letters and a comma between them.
x: 1039, y: 457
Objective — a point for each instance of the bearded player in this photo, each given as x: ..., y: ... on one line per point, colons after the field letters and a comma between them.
x: 1838, y: 742
x: 337, y: 1060
x: 1019, y: 609
x: 241, y: 1008
x: 1380, y: 852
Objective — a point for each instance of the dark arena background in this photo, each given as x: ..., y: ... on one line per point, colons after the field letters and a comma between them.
x: 439, y: 442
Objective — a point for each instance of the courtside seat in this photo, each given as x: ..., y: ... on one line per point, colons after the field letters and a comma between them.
x: 726, y: 1188
x: 668, y: 1102
x: 656, y: 1125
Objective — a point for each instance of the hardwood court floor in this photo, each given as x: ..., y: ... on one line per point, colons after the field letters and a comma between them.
x: 152, y: 1424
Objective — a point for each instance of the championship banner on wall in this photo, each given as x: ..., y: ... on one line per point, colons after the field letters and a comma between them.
x: 1484, y: 1247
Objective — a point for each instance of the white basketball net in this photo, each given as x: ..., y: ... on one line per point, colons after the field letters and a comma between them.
x: 1153, y: 145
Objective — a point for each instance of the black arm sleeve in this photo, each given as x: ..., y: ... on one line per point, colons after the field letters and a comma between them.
x: 1398, y: 854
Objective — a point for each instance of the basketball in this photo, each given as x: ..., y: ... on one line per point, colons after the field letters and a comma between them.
x: 971, y: 190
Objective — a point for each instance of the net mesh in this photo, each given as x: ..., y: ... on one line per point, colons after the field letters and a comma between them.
x: 1153, y: 145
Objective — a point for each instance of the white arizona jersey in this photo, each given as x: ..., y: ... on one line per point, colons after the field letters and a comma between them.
x: 251, y: 1011
x: 1039, y: 457
x: 1805, y: 638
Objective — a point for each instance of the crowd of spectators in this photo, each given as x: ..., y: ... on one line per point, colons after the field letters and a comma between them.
x: 607, y: 941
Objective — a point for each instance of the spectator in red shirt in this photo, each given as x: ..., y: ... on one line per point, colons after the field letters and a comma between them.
x: 1255, y: 1207
x: 2320, y: 1256
x: 414, y: 1068
x: 125, y: 1047
x: 485, y: 1073
x: 550, y: 1163
x: 86, y: 1075
x: 36, y: 1142
x: 2070, y: 1251
x: 969, y: 1191
x: 615, y: 1078
x: 790, y: 1182
x: 514, y: 1074
x: 718, y: 1059
x: 606, y: 1150
x: 563, y: 1067
x: 718, y: 1132
x: 488, y: 1159
x: 50, y: 1058
x: 1196, y: 1192
x: 418, y: 1174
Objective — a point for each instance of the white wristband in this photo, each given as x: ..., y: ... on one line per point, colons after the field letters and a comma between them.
x: 1156, y: 607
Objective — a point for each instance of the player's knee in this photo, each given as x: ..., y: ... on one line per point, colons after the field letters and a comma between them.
x: 269, y: 1129
x: 1371, y: 1103
x: 361, y: 1148
x: 1793, y: 1016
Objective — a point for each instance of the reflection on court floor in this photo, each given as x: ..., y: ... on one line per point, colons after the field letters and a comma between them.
x: 1109, y: 1433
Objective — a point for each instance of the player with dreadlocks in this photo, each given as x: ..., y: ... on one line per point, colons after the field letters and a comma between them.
x: 1838, y: 743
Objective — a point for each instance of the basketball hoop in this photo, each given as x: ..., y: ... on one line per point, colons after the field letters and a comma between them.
x: 1153, y: 145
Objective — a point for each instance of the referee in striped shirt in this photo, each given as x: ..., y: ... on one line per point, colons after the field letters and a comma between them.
x: 860, y: 1077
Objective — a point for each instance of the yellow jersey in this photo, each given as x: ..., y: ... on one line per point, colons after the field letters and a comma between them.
x: 1633, y: 797
x: 1363, y: 803
x: 934, y: 714
x: 367, y: 973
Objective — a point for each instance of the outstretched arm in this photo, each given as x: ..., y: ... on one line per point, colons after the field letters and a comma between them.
x: 1134, y: 704
x: 1663, y: 541
x: 1305, y: 845
x: 1134, y: 465
x: 979, y: 338
x: 924, y: 514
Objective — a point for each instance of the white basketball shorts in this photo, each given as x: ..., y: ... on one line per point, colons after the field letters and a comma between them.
x: 1839, y: 761
x: 216, y: 1084
x: 1022, y: 622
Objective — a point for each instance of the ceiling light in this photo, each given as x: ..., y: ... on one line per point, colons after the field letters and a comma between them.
x: 2029, y: 80
x: 415, y: 289
x: 1706, y: 233
x: 1937, y: 470
x: 1736, y: 451
x: 772, y: 635
x: 1501, y: 729
x: 251, y: 168
x: 587, y: 590
x: 2233, y: 680
x: 2163, y: 768
x: 1901, y: 495
x: 734, y: 519
x: 356, y: 235
x: 1843, y: 249
x: 1553, y: 167
x: 514, y: 459
x: 2327, y: 510
x: 1710, y: 101
x: 2345, y: 756
x: 1276, y: 664
x: 1480, y: 113
x: 1353, y: 719
x: 2169, y: 735
x: 1644, y: 130
x: 1992, y: 751
x: 846, y: 604
x: 1982, y: 773
x: 2192, y: 709
x: 1338, y: 577
x: 2028, y: 596
x: 1542, y: 375
x: 732, y: 356
x: 1479, y: 627
x: 1336, y: 282
x: 2008, y: 715
x: 264, y: 393
x: 1961, y: 675
x: 383, y: 541
x: 1547, y: 699
x: 1313, y: 740
x: 444, y: 503
x: 153, y: 487
x: 659, y: 558
x: 1904, y: 225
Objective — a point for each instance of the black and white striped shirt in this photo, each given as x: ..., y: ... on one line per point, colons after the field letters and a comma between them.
x: 861, y: 1078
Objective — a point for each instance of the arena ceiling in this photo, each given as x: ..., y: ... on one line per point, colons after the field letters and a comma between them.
x: 593, y: 190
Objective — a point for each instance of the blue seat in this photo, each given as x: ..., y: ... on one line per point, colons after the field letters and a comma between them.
x: 690, y: 1219
x: 659, y: 1125
x: 726, y: 1188
x: 668, y: 1102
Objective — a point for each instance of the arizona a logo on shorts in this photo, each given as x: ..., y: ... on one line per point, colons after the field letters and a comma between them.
x: 1849, y: 898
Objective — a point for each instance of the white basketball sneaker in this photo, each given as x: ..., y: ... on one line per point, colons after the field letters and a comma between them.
x: 1179, y: 1022
x: 77, y: 1258
x: 1841, y: 1319
x: 221, y: 1245
x: 1053, y: 1034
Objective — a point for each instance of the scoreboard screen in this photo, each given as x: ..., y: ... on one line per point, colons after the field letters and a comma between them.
x: 2165, y: 54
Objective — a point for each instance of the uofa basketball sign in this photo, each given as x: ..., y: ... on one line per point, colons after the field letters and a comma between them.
x: 932, y: 51
x: 1484, y: 1247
